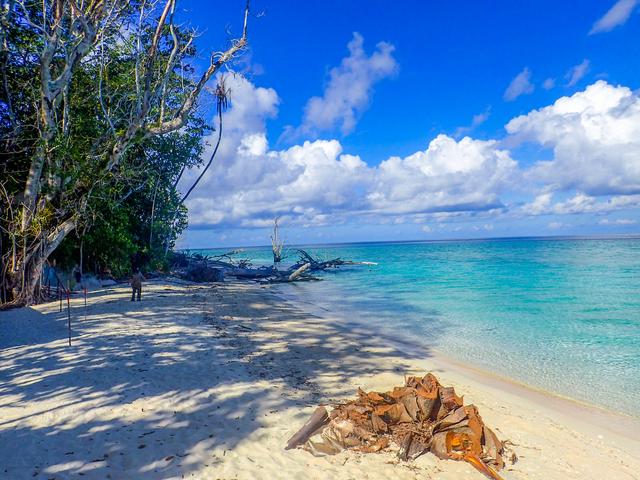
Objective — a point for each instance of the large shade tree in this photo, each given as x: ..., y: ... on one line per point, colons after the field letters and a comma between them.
x: 94, y: 93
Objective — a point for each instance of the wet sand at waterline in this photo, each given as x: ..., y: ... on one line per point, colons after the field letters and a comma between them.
x: 201, y: 381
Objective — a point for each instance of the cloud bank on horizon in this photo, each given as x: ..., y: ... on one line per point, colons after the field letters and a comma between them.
x: 589, y: 160
x: 594, y: 136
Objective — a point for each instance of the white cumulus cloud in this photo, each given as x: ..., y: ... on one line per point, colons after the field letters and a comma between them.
x: 595, y: 138
x: 450, y: 175
x: 305, y: 182
x: 314, y: 182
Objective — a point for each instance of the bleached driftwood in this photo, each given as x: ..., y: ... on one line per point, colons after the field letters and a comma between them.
x: 277, y: 244
x: 317, y: 264
x: 242, y: 269
x: 299, y: 272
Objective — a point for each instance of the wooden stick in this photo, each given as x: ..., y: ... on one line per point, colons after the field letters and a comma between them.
x: 299, y: 272
x: 319, y: 418
x: 85, y: 303
x: 69, y: 312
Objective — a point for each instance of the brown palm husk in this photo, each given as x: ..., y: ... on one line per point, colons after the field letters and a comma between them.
x: 420, y: 417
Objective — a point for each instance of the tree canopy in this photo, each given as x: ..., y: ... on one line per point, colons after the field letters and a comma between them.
x: 99, y: 119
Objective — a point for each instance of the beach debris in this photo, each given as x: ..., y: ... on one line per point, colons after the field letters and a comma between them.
x: 203, y: 268
x: 277, y: 244
x: 201, y: 272
x: 316, y: 264
x: 298, y: 272
x: 421, y: 416
x: 319, y: 418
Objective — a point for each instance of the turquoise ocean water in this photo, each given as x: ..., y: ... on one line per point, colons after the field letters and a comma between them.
x: 558, y: 314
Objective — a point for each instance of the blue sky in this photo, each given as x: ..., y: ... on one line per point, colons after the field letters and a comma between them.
x: 316, y: 72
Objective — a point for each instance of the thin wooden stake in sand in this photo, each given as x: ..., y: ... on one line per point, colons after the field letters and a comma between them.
x: 69, y: 312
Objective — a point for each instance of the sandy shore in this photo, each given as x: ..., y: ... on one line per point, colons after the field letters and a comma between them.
x: 210, y: 381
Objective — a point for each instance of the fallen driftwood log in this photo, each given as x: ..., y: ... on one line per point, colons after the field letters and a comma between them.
x: 298, y: 271
x: 203, y: 268
x: 204, y: 273
x: 420, y: 417
x: 251, y: 273
x: 317, y: 264
x: 199, y: 268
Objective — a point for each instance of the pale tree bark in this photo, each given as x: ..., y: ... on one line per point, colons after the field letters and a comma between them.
x: 277, y: 244
x: 55, y: 79
x: 52, y: 87
x: 153, y: 210
x: 179, y: 118
x: 32, y: 264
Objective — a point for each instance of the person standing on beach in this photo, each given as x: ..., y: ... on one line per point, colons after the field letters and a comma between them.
x: 136, y: 284
x: 77, y: 275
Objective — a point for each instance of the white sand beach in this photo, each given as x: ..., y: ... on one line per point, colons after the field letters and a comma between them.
x: 201, y: 381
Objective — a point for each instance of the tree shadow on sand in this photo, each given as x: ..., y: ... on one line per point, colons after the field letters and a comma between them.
x: 160, y: 392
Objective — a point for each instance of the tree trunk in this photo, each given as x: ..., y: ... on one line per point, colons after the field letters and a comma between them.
x: 30, y: 266
x: 81, y: 248
x: 153, y: 212
x: 31, y: 187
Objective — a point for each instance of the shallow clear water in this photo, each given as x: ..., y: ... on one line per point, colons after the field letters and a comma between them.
x: 558, y: 314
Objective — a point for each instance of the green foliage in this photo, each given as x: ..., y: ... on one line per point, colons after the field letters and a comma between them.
x: 138, y: 230
x: 124, y: 213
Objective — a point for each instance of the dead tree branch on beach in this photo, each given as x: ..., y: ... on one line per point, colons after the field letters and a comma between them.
x: 277, y: 244
x: 301, y: 271
x: 298, y: 272
x: 316, y: 264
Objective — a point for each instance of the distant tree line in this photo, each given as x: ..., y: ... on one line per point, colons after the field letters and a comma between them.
x: 99, y: 118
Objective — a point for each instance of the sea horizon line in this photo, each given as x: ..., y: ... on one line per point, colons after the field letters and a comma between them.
x: 607, y: 236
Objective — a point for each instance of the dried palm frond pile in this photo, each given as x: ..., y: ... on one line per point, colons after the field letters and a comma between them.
x: 420, y: 417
